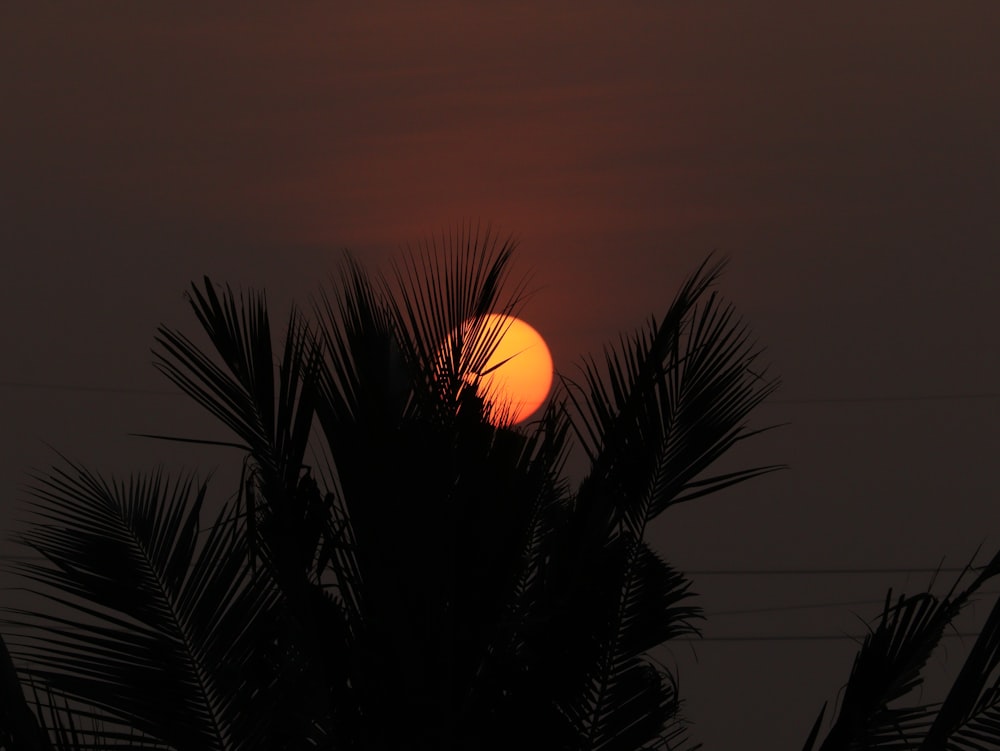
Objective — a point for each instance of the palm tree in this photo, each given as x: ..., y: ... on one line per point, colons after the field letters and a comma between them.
x: 397, y: 570
x: 876, y: 711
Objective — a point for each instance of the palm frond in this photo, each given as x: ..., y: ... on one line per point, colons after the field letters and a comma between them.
x: 364, y: 382
x: 889, y: 666
x: 670, y: 401
x: 814, y: 732
x: 639, y: 701
x: 383, y: 390
x: 981, y: 730
x: 286, y: 516
x: 273, y: 417
x: 443, y: 291
x: 626, y: 699
x: 654, y: 606
x: 158, y: 626
x: 426, y: 485
x: 969, y: 718
x: 19, y: 726
x: 74, y: 727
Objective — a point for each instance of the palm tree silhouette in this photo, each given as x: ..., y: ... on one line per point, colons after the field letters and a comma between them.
x: 877, y: 710
x: 396, y: 571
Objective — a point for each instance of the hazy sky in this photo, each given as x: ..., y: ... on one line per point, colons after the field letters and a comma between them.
x: 846, y: 157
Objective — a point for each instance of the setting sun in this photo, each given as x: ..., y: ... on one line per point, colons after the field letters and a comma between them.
x: 518, y: 375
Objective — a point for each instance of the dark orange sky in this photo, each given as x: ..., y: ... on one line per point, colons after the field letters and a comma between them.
x: 845, y: 156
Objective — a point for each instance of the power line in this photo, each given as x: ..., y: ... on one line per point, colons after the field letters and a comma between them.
x: 737, y: 638
x: 800, y: 637
x: 823, y: 571
x: 810, y: 606
x: 743, y: 638
x: 889, y: 398
x: 34, y: 385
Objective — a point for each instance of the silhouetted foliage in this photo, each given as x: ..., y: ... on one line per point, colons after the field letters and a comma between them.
x: 875, y: 712
x: 397, y: 571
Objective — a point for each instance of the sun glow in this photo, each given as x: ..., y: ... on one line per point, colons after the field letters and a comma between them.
x: 517, y: 377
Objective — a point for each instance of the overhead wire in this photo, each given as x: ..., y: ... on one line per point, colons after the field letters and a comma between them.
x: 883, y: 399
x: 10, y: 384
x: 808, y: 606
x: 801, y: 637
x: 826, y: 571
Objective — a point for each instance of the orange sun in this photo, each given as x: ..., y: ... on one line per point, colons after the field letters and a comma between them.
x: 518, y: 375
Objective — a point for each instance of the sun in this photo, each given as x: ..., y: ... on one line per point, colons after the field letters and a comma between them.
x: 517, y: 377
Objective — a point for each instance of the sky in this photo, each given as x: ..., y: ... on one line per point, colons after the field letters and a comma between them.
x: 844, y: 156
